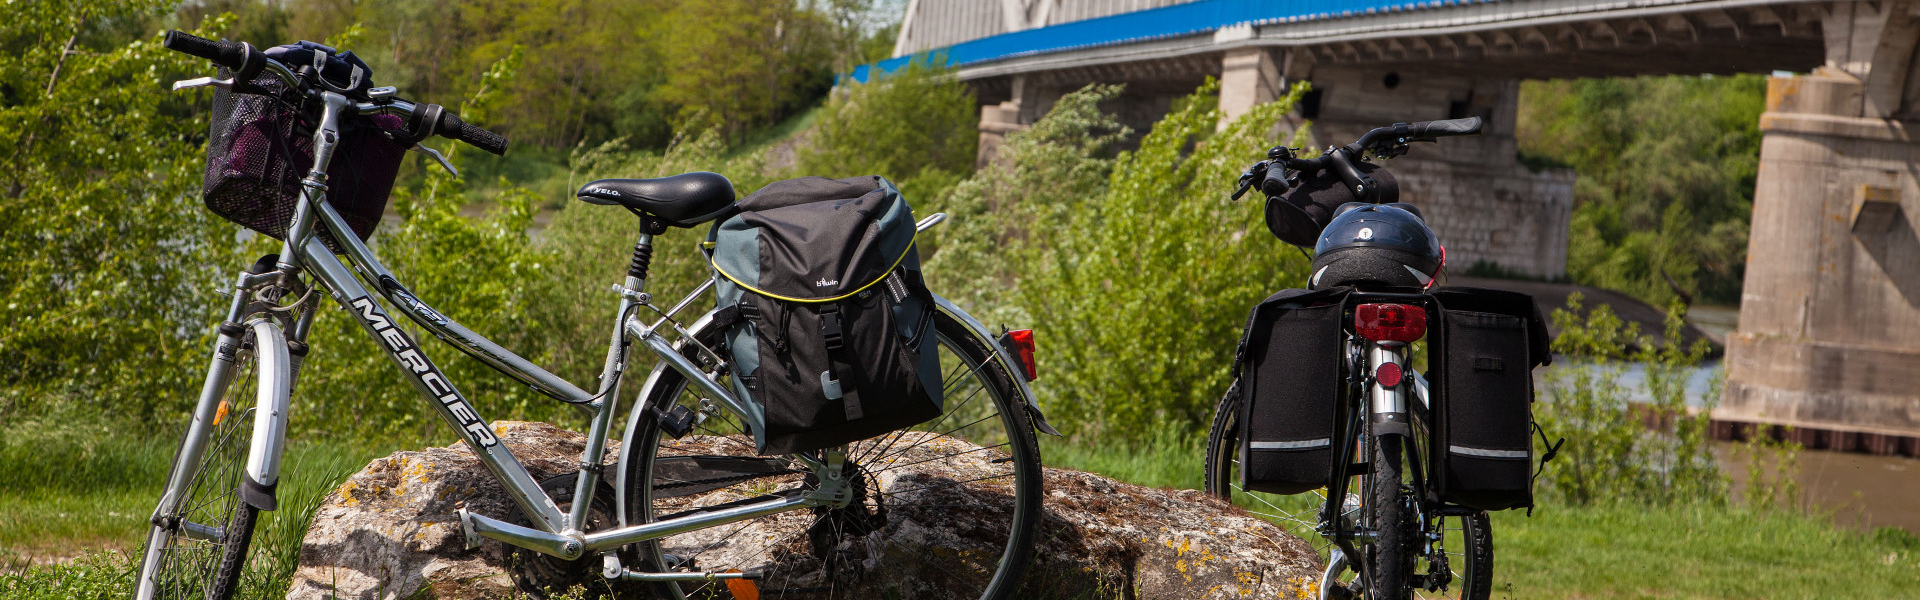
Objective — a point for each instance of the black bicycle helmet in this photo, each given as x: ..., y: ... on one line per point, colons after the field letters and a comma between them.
x: 1376, y: 245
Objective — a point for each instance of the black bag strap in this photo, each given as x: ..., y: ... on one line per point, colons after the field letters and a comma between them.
x: 1553, y: 449
x: 841, y: 365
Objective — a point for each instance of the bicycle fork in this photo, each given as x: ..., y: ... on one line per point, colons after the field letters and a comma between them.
x: 262, y: 474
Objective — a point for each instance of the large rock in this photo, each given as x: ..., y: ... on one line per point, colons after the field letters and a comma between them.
x: 391, y: 531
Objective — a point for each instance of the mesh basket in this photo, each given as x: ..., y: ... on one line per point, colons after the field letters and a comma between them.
x: 259, y: 148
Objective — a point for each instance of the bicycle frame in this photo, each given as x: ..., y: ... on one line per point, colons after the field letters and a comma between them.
x: 1372, y: 410
x: 554, y: 532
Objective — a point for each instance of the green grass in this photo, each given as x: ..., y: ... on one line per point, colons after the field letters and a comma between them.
x: 1704, y: 550
x: 1699, y: 551
x: 79, y: 497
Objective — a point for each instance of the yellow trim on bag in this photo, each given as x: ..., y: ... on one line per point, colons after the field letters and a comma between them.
x: 883, y: 275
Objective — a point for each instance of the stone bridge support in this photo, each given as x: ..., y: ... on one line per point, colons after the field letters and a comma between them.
x: 1485, y: 206
x: 1829, y: 337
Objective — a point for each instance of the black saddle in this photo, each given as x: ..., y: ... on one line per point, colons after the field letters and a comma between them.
x: 682, y: 200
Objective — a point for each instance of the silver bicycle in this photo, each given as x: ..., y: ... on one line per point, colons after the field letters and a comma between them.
x: 690, y: 510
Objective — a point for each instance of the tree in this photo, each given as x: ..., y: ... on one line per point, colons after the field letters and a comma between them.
x: 110, y: 257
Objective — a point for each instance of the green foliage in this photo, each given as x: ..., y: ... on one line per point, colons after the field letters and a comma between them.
x: 108, y: 249
x: 1135, y: 271
x: 595, y: 71
x: 860, y: 132
x: 1610, y: 454
x: 1667, y: 168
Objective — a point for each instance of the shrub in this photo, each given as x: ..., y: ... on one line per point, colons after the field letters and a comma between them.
x: 1138, y: 285
x: 1610, y: 453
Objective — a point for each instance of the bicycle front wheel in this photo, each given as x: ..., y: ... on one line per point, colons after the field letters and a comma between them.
x: 946, y: 508
x: 197, y: 547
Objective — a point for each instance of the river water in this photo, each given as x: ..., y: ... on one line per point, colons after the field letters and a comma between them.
x: 1861, y: 490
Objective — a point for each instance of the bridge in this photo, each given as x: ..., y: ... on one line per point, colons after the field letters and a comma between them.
x: 1829, y: 335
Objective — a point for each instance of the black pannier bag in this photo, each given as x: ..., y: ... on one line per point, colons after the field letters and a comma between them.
x: 1480, y: 377
x: 1290, y: 374
x: 829, y: 324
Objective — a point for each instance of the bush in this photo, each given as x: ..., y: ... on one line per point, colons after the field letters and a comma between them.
x: 903, y: 126
x: 1610, y: 453
x: 1136, y: 271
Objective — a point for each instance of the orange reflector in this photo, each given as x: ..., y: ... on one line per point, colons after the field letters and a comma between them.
x: 221, y: 415
x: 743, y: 589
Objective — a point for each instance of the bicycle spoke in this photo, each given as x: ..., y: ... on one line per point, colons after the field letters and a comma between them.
x: 881, y: 453
x: 890, y: 467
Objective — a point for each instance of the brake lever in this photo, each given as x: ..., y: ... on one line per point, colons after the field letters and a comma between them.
x: 442, y: 159
x: 1252, y: 174
x: 202, y: 82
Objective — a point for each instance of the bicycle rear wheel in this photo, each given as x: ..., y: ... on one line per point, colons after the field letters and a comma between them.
x: 198, y: 545
x: 1468, y: 540
x: 978, y: 462
x: 1298, y: 514
x: 1389, y: 556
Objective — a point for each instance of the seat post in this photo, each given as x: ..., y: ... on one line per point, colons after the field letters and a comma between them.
x: 642, y: 258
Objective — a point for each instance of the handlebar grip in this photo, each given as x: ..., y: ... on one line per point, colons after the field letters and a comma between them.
x: 451, y: 126
x: 1430, y: 130
x: 224, y: 53
x: 1275, y: 183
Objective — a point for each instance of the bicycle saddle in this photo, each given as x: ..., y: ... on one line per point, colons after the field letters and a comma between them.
x: 682, y: 200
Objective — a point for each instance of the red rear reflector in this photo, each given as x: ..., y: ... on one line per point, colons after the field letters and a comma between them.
x: 1388, y: 375
x: 1023, y: 347
x: 1390, y: 322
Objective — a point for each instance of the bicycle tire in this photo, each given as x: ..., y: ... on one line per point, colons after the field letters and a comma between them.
x: 181, y: 560
x: 1388, y: 561
x: 1012, y: 455
x: 1476, y: 578
x: 1298, y: 514
x: 1223, y: 438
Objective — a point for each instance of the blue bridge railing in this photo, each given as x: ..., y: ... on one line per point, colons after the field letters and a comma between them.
x: 1168, y: 21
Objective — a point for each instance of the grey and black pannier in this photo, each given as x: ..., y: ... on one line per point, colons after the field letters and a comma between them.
x: 829, y: 323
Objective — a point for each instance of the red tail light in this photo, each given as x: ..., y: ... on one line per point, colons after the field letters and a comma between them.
x: 1020, y: 341
x: 1390, y: 322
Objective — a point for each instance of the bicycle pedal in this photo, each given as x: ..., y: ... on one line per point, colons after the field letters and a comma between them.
x: 677, y: 422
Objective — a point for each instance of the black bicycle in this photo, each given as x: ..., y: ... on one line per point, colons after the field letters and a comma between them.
x: 1329, y: 429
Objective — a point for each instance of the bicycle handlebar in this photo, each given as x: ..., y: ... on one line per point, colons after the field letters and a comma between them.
x: 224, y: 53
x: 1280, y: 172
x: 247, y: 61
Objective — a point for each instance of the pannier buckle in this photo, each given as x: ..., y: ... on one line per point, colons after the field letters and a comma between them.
x: 830, y: 329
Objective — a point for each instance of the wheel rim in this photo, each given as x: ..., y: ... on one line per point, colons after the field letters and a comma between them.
x: 828, y: 553
x: 189, y: 554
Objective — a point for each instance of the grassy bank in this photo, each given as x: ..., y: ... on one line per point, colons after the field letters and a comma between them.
x: 64, y: 490
x: 74, y: 502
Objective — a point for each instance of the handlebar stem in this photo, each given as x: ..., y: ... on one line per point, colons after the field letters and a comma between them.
x: 314, y: 186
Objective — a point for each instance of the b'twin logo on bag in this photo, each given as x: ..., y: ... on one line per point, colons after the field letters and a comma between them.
x: 824, y: 282
x: 403, y: 348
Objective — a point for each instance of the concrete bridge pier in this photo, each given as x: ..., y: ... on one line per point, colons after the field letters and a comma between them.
x: 1485, y: 205
x: 1829, y: 336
